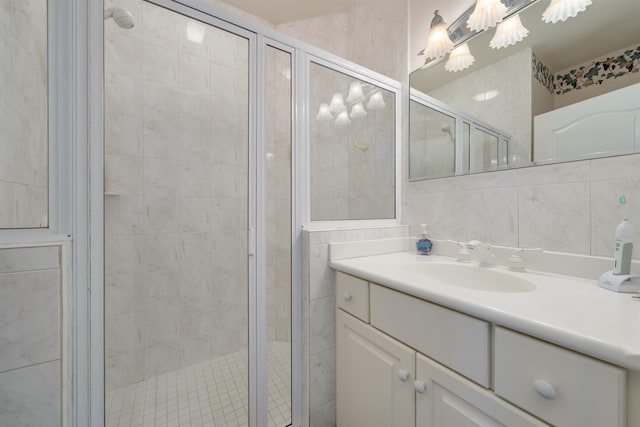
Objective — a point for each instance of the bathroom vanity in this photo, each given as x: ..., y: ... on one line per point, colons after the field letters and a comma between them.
x: 459, y: 347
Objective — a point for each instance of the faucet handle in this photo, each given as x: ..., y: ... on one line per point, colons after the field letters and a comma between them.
x: 516, y: 260
x: 464, y: 255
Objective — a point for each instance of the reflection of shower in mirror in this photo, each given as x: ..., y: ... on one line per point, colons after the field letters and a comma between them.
x: 446, y: 128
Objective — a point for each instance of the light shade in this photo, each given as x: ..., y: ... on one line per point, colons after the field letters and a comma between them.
x: 323, y: 113
x: 486, y: 14
x: 459, y: 59
x: 509, y: 32
x: 561, y: 10
x: 355, y: 93
x: 337, y: 104
x: 376, y: 101
x: 439, y: 43
x: 358, y: 111
x: 343, y: 119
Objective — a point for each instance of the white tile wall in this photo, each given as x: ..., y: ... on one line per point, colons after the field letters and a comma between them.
x: 30, y: 336
x: 23, y: 114
x: 176, y: 220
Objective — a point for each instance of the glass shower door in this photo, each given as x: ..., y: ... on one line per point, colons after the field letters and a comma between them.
x: 176, y: 219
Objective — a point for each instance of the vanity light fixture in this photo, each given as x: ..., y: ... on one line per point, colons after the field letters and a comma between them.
x: 323, y: 113
x: 561, y: 10
x: 486, y: 14
x: 336, y: 106
x: 355, y: 93
x: 358, y: 111
x: 509, y: 32
x: 376, y: 101
x: 439, y: 42
x: 342, y: 119
x: 459, y: 59
x: 195, y: 32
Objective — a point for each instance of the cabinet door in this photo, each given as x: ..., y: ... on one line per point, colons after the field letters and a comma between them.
x: 448, y: 399
x: 374, y: 377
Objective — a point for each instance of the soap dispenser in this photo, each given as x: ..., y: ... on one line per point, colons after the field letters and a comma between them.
x: 624, y: 243
x: 423, y: 243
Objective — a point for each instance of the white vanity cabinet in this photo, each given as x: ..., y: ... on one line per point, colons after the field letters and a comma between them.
x: 402, y: 362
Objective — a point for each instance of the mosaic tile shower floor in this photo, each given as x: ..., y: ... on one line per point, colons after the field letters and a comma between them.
x: 211, y: 393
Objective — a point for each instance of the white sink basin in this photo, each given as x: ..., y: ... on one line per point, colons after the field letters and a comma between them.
x: 470, y: 277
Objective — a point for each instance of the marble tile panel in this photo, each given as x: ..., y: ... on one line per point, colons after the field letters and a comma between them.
x: 123, y: 135
x: 193, y: 74
x: 620, y: 167
x: 324, y: 416
x: 161, y: 177
x: 195, y: 214
x: 161, y: 139
x: 492, y: 216
x: 325, y: 236
x: 194, y: 350
x: 229, y: 214
x: 123, y: 95
x: 161, y: 327
x: 29, y: 84
x: 31, y: 206
x: 123, y: 370
x: 122, y: 54
x: 322, y: 325
x: 446, y: 215
x: 160, y: 26
x: 158, y: 251
x: 194, y: 179
x: 555, y: 174
x: 322, y: 374
x: 123, y: 294
x: 160, y: 104
x: 195, y: 320
x: 322, y: 277
x: 31, y: 396
x: 123, y: 174
x: 123, y: 334
x: 29, y: 318
x: 196, y: 285
x: 161, y: 359
x: 161, y: 289
x: 606, y: 212
x: 123, y: 215
x: 121, y: 255
x: 161, y: 214
x: 555, y: 217
x: 224, y: 49
x: 160, y: 65
x: 195, y: 250
x: 507, y: 178
x: 15, y: 260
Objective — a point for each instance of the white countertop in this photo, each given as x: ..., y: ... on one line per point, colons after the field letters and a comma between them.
x: 571, y: 312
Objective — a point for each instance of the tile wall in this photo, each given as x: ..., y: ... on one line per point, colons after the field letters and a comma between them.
x: 23, y: 114
x: 31, y: 337
x: 568, y: 207
x: 176, y: 203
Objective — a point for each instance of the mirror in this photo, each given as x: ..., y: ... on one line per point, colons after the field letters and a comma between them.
x: 533, y: 92
x: 353, y: 147
x: 23, y: 115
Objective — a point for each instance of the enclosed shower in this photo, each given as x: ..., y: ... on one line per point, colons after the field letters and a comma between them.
x: 180, y: 220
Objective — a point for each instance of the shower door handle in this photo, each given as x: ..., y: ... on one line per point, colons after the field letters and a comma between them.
x: 251, y: 241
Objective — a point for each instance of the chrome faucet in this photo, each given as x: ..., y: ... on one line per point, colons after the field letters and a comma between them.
x: 481, y: 252
x: 517, y: 260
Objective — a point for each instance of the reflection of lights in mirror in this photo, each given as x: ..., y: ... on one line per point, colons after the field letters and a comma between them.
x: 485, y: 96
x: 459, y: 59
x: 357, y: 94
x: 195, y: 32
x: 508, y: 33
x: 561, y: 10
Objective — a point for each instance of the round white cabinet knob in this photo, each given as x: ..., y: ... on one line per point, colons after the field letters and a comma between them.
x: 347, y: 296
x: 545, y: 389
x: 403, y: 375
x: 420, y: 386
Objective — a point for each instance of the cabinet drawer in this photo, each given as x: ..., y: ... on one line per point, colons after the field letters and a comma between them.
x: 579, y: 390
x: 352, y: 295
x: 454, y: 339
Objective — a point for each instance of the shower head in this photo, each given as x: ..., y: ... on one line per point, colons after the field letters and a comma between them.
x: 446, y: 128
x: 121, y: 16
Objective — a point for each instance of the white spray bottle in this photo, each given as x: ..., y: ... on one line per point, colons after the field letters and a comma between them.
x: 625, y: 233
